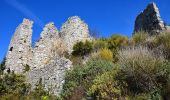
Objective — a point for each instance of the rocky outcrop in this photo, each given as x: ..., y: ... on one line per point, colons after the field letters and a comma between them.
x: 74, y: 30
x: 19, y: 53
x: 150, y: 21
x: 46, y: 60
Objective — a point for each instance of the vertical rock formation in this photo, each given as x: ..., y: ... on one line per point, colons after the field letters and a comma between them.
x: 149, y: 20
x: 74, y: 30
x: 20, y: 52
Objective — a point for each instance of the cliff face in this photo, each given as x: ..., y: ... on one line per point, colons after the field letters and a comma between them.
x: 150, y: 21
x: 46, y: 60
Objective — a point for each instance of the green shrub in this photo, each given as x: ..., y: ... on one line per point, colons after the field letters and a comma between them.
x: 117, y: 41
x: 13, y: 85
x: 140, y: 37
x: 106, y: 86
x: 81, y: 48
x: 80, y: 78
x: 142, y: 70
x: 2, y: 66
x: 100, y: 44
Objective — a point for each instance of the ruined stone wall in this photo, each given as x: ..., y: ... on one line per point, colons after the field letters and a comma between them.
x: 20, y: 52
x: 52, y: 74
x: 149, y: 20
x: 74, y: 30
x: 46, y: 60
x: 42, y: 53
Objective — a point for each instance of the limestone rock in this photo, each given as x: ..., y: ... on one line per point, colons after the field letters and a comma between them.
x: 149, y: 20
x: 74, y: 30
x: 20, y: 52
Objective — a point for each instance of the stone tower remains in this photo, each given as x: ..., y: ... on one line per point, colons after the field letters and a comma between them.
x: 150, y: 21
x: 19, y: 53
x: 43, y: 48
x: 74, y: 30
x: 46, y: 60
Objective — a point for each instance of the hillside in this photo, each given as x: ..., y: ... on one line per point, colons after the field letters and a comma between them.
x: 70, y: 64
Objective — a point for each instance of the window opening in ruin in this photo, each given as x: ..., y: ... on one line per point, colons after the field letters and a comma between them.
x: 11, y: 49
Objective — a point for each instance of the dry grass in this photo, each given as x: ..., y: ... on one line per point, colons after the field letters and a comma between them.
x: 140, y: 68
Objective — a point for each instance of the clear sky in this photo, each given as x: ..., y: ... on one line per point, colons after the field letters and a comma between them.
x: 105, y: 16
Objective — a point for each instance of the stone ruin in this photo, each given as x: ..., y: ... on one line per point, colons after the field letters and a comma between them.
x: 70, y: 29
x: 150, y: 21
x: 44, y: 61
x: 20, y: 51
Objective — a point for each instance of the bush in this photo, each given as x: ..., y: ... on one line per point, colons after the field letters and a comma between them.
x: 2, y: 66
x: 106, y: 86
x: 13, y: 85
x: 142, y: 70
x: 100, y: 44
x: 140, y: 37
x: 81, y: 48
x: 106, y: 54
x: 163, y: 40
x: 80, y: 78
x: 117, y: 41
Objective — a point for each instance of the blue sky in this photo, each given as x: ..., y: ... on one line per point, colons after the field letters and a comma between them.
x: 105, y: 16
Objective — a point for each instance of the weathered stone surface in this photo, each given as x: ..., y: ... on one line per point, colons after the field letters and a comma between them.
x: 74, y: 30
x: 46, y: 60
x: 20, y: 52
x: 42, y: 52
x: 52, y: 74
x: 149, y: 20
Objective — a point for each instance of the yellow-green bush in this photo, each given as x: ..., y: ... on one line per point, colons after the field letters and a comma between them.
x: 117, y: 41
x: 80, y: 78
x: 106, y: 54
x: 140, y: 37
x: 99, y: 44
x: 106, y: 87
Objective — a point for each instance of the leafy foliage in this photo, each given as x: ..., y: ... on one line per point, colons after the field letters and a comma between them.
x: 81, y: 77
x: 13, y: 85
x: 117, y: 41
x: 106, y: 87
x: 81, y: 48
x: 2, y: 66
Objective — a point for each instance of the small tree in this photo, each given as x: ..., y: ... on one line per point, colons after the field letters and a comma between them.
x: 81, y: 48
